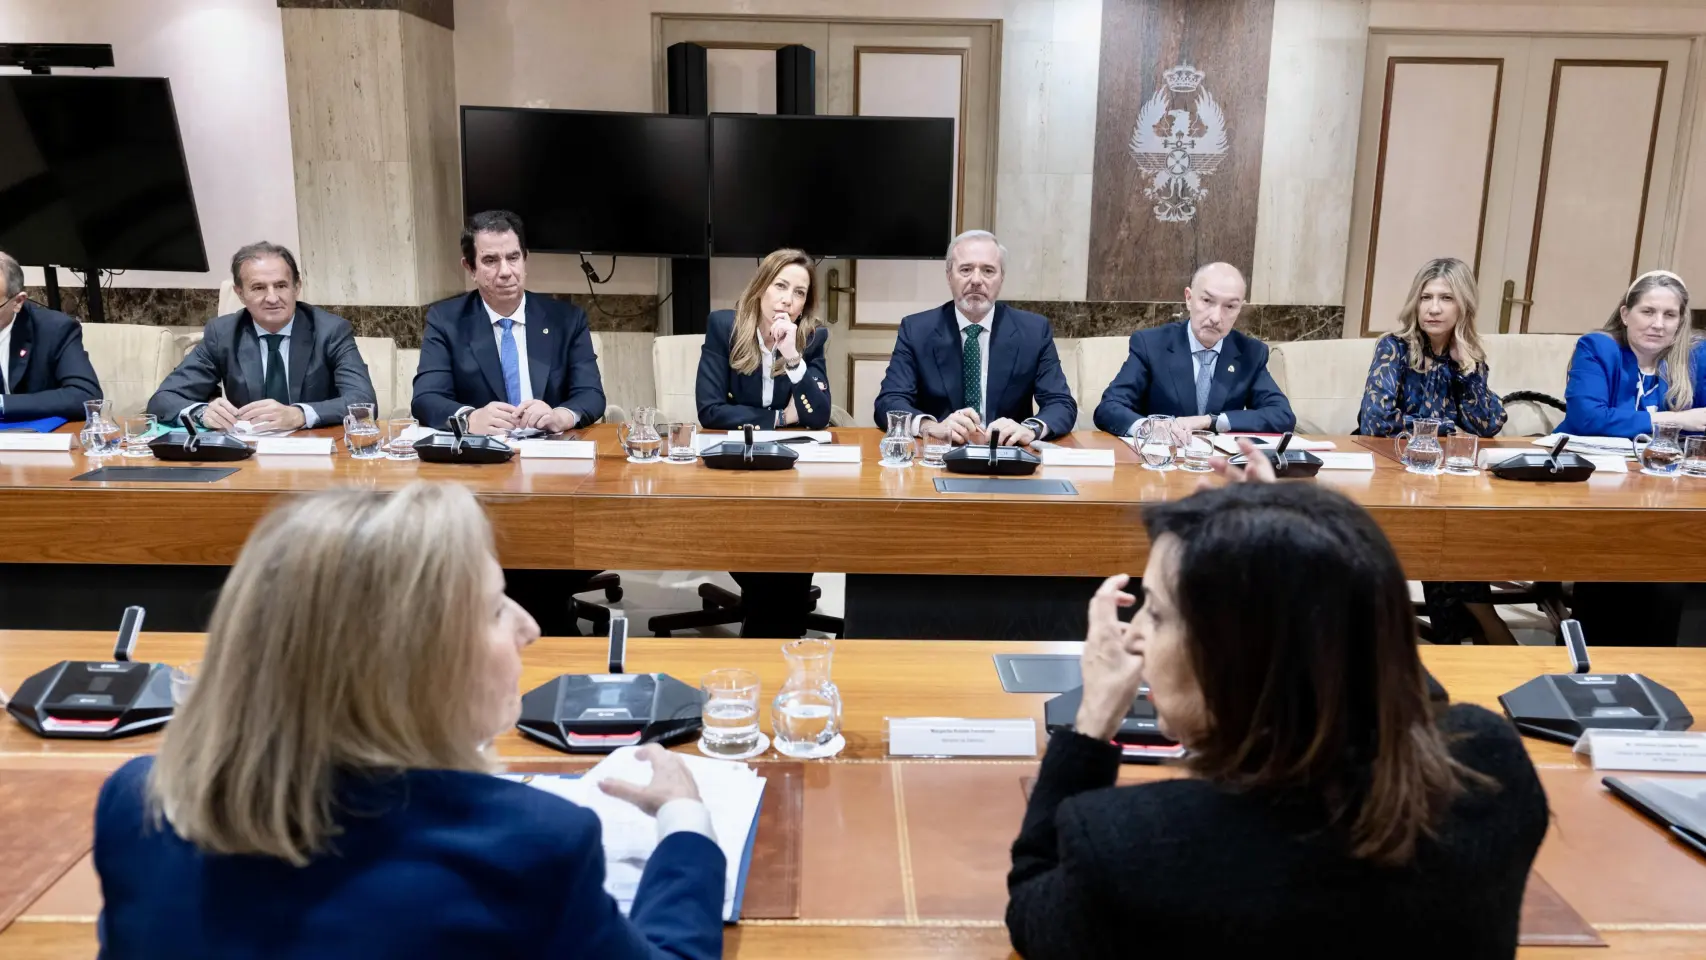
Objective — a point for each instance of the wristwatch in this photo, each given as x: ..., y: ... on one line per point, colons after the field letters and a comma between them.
x: 1038, y: 428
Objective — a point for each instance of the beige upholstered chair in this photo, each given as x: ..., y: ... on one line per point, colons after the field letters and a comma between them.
x: 1535, y: 362
x: 130, y: 360
x: 1323, y: 379
x: 407, y: 361
x: 229, y: 302
x: 675, y: 369
x: 1099, y: 361
x: 380, y: 355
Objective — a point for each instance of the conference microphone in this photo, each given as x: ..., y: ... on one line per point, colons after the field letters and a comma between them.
x: 97, y: 699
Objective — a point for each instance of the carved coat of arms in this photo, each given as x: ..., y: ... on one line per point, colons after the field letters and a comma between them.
x: 1175, y: 149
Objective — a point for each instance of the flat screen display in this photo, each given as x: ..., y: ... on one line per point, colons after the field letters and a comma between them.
x: 587, y: 182
x: 871, y: 187
x: 92, y: 174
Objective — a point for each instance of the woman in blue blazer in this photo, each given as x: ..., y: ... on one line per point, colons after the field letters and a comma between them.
x: 1644, y: 368
x: 762, y: 364
x: 327, y: 791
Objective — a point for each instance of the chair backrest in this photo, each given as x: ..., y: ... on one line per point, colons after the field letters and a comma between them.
x: 675, y: 370
x: 1324, y: 380
x: 380, y: 355
x: 131, y: 360
x: 1529, y: 361
x: 229, y: 302
x: 1099, y: 361
x: 408, y: 361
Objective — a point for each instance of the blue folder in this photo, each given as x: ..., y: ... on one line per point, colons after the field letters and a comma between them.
x: 44, y: 425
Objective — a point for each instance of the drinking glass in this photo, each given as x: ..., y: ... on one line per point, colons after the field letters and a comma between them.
x: 730, y: 715
x: 1153, y: 440
x: 897, y: 445
x: 1694, y: 457
x: 100, y: 436
x: 1461, y: 450
x: 682, y: 440
x: 399, y: 439
x: 1198, y: 450
x: 182, y: 681
x: 362, y: 434
x: 137, y: 429
x: 935, y: 448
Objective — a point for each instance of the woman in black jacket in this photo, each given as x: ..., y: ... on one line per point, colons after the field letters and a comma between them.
x: 1330, y: 808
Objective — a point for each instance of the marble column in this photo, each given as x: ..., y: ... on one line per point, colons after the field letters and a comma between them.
x: 373, y: 130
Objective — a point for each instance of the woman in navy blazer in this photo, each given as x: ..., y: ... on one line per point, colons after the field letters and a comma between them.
x: 1642, y: 369
x: 326, y: 791
x: 762, y: 364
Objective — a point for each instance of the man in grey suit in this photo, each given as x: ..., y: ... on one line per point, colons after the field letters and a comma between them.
x: 282, y: 364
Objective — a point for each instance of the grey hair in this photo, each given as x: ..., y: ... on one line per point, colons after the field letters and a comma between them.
x: 256, y: 251
x: 954, y: 244
x: 13, y: 273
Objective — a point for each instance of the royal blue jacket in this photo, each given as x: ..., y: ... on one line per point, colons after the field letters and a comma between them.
x: 1599, y: 398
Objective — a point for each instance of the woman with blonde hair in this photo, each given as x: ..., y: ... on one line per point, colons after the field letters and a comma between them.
x: 1645, y: 367
x: 1434, y: 366
x: 326, y: 791
x: 763, y: 364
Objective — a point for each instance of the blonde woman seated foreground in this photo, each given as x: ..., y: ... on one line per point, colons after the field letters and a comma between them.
x: 327, y: 789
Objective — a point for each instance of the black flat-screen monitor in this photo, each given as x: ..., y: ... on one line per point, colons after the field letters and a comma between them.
x: 589, y: 182
x: 92, y: 174
x: 874, y: 187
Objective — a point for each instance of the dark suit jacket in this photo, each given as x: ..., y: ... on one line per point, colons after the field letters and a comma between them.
x: 460, y: 366
x: 48, y: 371
x: 1160, y: 378
x: 924, y: 371
x: 430, y: 863
x: 325, y: 370
x: 730, y: 400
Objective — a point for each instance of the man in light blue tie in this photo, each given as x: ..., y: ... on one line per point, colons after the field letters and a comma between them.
x: 1199, y: 370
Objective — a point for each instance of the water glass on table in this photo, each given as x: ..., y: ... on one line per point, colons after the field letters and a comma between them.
x: 361, y: 432
x: 138, y: 428
x: 683, y: 440
x: 1197, y: 452
x: 1694, y: 457
x: 400, y: 439
x: 730, y: 715
x: 100, y: 436
x: 1461, y: 452
x: 934, y: 449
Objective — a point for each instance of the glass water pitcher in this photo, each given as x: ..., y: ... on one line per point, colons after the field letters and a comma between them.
x: 806, y: 714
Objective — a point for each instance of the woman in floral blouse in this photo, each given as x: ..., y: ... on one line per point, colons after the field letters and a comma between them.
x: 1434, y: 366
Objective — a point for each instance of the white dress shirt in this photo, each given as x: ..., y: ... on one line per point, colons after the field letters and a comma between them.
x: 685, y: 816
x: 767, y: 359
x: 6, y: 356
x: 1196, y: 371
x: 1037, y: 426
x: 309, y: 417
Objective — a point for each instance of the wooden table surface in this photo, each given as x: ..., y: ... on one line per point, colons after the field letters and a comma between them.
x: 859, y: 518
x: 907, y: 859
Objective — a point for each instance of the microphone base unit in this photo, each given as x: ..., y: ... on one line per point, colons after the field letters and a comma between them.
x: 603, y: 712
x: 94, y: 700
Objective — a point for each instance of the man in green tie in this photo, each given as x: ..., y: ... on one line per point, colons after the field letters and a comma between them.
x: 976, y: 368
x: 276, y: 365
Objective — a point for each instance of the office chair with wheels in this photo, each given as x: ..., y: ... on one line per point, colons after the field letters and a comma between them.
x: 599, y: 616
x: 721, y: 607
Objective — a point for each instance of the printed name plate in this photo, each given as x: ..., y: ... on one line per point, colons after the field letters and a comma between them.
x: 558, y: 449
x: 961, y: 737
x: 267, y: 446
x: 1074, y: 457
x: 35, y: 441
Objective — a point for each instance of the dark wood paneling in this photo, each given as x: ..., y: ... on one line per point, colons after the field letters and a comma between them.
x: 1133, y: 255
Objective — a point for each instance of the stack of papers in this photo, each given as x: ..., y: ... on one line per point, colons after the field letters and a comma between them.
x: 1621, y: 446
x: 731, y: 792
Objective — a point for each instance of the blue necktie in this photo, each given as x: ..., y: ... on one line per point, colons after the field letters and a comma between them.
x: 510, y: 358
x: 1205, y: 378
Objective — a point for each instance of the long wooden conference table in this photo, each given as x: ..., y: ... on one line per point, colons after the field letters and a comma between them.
x: 607, y: 513
x: 894, y: 858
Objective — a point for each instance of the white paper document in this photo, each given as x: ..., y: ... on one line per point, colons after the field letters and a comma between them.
x: 827, y: 452
x: 1346, y: 461
x: 18, y: 440
x: 1621, y: 446
x: 557, y: 449
x: 731, y: 792
x: 1228, y: 442
x: 305, y: 446
x: 1056, y: 456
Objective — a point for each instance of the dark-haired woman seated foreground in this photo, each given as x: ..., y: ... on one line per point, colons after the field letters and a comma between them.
x: 1332, y: 808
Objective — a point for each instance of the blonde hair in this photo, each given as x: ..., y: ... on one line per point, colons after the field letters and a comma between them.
x: 1464, y: 337
x: 1677, y: 364
x: 343, y: 641
x: 743, y: 340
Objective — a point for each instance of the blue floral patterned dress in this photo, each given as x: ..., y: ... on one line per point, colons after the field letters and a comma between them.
x: 1395, y: 394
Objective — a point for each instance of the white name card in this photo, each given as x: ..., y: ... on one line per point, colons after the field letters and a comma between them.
x: 827, y: 452
x: 271, y: 446
x: 1659, y: 751
x: 1076, y: 457
x: 1346, y: 461
x: 958, y: 737
x: 17, y: 440
x: 558, y: 449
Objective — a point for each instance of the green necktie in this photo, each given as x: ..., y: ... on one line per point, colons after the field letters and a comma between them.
x: 971, y: 363
x: 277, y: 385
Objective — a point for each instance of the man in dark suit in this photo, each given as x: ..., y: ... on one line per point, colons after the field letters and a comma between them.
x: 974, y: 366
x: 508, y: 360
x: 282, y: 364
x: 44, y: 371
x: 1199, y: 370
